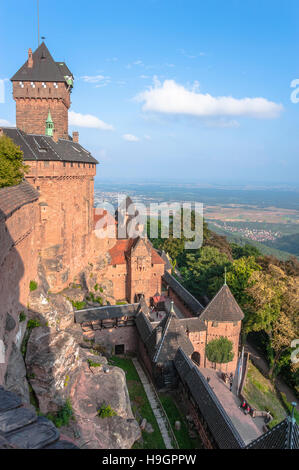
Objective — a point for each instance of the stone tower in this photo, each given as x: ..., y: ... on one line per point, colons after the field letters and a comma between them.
x: 60, y: 169
x: 42, y: 85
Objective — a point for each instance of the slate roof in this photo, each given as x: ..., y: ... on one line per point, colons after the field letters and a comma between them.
x: 14, y: 197
x: 143, y: 326
x: 104, y: 313
x: 193, y: 304
x: 173, y: 337
x: 44, y: 68
x: 219, y: 423
x: 21, y: 428
x: 223, y: 307
x: 42, y: 147
x: 284, y: 435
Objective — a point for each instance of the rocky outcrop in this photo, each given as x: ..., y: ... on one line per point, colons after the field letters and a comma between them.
x: 52, y: 358
x: 15, y: 377
x: 59, y: 367
x: 102, y: 386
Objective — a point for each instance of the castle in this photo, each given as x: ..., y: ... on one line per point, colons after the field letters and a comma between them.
x: 49, y: 233
x: 52, y: 221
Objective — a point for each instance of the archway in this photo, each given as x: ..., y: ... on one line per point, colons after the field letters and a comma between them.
x: 196, y: 358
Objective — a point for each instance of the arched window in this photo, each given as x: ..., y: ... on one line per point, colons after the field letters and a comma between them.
x: 196, y: 358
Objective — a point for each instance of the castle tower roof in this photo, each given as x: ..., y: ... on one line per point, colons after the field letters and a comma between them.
x: 223, y: 307
x: 285, y: 435
x: 41, y: 67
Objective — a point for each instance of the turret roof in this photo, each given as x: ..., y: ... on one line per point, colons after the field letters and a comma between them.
x: 223, y: 307
x: 44, y: 68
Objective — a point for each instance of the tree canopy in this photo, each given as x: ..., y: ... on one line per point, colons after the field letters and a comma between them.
x: 220, y: 350
x: 12, y: 168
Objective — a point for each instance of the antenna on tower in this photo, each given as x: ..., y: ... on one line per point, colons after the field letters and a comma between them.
x: 38, y: 22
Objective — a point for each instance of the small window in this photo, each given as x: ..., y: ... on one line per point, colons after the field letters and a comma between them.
x: 215, y: 324
x: 46, y: 164
x: 78, y: 165
x: 235, y: 323
x: 119, y: 349
x: 64, y: 164
x: 71, y: 164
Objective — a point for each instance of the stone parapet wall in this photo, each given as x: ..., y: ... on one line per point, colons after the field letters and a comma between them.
x: 18, y: 266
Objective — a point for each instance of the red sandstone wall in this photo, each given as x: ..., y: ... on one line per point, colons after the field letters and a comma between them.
x: 18, y: 266
x: 33, y: 104
x: 126, y: 335
x: 65, y: 218
x: 232, y: 332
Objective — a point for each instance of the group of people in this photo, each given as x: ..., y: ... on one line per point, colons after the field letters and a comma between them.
x: 245, y: 407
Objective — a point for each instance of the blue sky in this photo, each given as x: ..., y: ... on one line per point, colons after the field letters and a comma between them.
x: 174, y: 90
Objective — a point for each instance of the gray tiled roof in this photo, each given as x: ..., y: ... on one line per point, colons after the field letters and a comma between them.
x: 193, y: 304
x: 223, y: 307
x: 104, y: 313
x: 14, y: 197
x: 173, y: 337
x: 44, y: 69
x: 42, y: 147
x: 219, y: 423
x: 144, y: 326
x: 284, y: 435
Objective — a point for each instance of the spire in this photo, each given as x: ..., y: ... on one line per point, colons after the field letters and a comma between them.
x: 225, y: 276
x: 49, y: 125
x: 172, y: 307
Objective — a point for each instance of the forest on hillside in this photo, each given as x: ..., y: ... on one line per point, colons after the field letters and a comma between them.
x: 266, y: 288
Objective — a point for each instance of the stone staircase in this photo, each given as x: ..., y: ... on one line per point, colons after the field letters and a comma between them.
x: 21, y: 428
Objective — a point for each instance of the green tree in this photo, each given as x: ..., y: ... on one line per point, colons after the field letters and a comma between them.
x: 220, y: 350
x: 203, y: 269
x: 12, y: 168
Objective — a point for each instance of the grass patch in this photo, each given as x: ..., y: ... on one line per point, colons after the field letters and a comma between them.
x: 106, y: 411
x: 140, y: 405
x: 32, y: 285
x: 94, y: 364
x: 261, y: 394
x: 289, y: 407
x: 77, y: 304
x: 22, y: 317
x: 182, y: 436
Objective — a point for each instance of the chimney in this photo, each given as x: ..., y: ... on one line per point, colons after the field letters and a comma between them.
x: 76, y: 137
x: 158, y: 335
x: 55, y: 136
x: 30, y: 59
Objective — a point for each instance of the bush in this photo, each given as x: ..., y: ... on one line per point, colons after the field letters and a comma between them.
x: 32, y: 285
x: 106, y: 411
x: 12, y: 168
x: 63, y: 416
x: 220, y: 351
x: 77, y: 304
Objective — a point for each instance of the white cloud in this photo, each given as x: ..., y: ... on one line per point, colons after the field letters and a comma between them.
x: 130, y: 138
x: 172, y: 98
x: 5, y: 123
x: 96, y: 79
x: 88, y: 120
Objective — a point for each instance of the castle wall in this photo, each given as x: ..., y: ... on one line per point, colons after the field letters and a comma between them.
x: 65, y: 218
x: 177, y: 300
x: 121, y: 335
x: 33, y: 104
x: 18, y: 266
